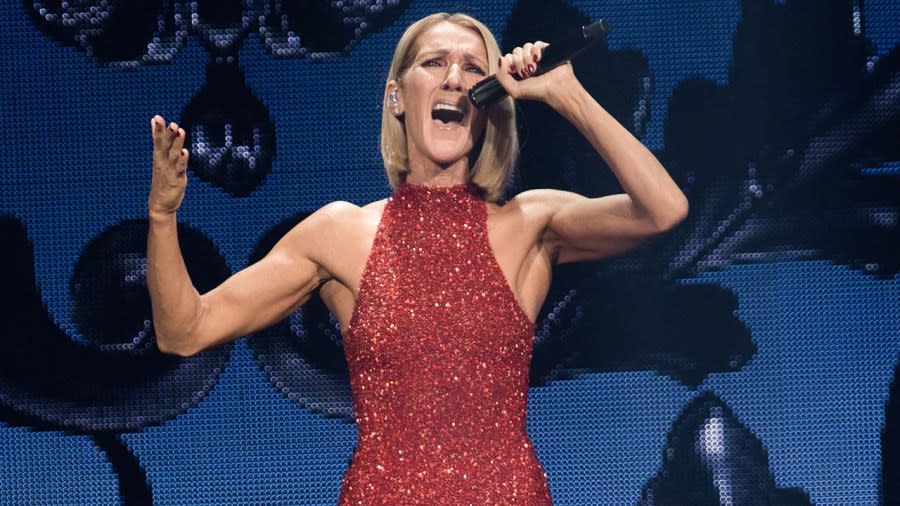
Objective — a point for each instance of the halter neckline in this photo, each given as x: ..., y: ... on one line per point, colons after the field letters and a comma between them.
x: 425, y: 189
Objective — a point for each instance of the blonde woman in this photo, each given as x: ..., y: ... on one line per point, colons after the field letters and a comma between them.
x: 437, y: 287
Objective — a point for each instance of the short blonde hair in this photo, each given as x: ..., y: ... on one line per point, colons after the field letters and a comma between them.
x: 499, y: 144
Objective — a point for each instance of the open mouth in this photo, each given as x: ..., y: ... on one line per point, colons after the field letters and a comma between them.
x: 447, y: 113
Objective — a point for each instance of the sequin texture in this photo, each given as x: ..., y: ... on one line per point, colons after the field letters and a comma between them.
x: 439, y: 353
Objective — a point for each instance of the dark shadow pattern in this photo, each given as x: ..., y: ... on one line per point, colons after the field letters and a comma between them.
x: 554, y: 154
x: 627, y: 322
x: 133, y: 487
x: 771, y: 162
x: 129, y: 33
x: 222, y: 25
x: 230, y: 135
x: 303, y: 355
x: 596, y: 315
x: 320, y: 28
x: 116, y: 33
x: 711, y: 459
x: 117, y: 380
x: 797, y: 136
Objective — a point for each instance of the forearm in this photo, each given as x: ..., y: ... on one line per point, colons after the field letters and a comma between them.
x: 177, y: 307
x: 653, y: 193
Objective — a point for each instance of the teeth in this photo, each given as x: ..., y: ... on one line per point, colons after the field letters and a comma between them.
x: 446, y: 107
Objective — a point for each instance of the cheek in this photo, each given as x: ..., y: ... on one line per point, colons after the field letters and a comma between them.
x: 419, y: 80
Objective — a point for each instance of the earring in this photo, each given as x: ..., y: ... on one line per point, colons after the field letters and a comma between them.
x: 393, y: 97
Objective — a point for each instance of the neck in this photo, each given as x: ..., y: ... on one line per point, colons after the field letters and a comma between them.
x: 430, y: 173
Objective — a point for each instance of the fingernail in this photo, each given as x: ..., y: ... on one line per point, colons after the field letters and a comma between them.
x: 535, y: 57
x: 512, y: 68
x: 531, y: 69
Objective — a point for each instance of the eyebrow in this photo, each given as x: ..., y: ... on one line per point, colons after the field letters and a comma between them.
x: 444, y: 52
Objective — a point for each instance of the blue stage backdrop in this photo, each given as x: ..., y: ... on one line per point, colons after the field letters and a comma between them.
x: 748, y: 358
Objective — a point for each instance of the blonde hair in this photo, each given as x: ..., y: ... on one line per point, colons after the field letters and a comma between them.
x: 499, y: 144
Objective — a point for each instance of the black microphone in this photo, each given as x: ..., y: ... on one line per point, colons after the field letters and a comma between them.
x: 488, y: 90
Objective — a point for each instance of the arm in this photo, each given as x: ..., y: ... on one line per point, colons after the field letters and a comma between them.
x: 186, y: 322
x: 250, y: 300
x: 591, y: 229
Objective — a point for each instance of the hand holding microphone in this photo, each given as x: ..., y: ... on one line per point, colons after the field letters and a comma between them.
x: 489, y: 90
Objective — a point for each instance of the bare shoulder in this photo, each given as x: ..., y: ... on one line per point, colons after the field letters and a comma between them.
x: 342, y: 211
x: 337, y: 218
x: 336, y: 238
x: 522, y: 221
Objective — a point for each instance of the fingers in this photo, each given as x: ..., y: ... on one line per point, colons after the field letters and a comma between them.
x: 157, y: 123
x: 521, y: 75
x: 167, y: 141
x: 177, y: 143
x: 520, y: 64
x: 505, y: 71
x: 523, y: 60
x: 181, y: 164
x: 162, y: 136
x: 169, y: 153
x: 504, y: 76
x: 510, y: 64
x: 170, y: 160
x: 529, y: 59
x: 537, y: 50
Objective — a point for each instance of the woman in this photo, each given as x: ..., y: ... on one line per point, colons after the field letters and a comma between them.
x: 436, y: 288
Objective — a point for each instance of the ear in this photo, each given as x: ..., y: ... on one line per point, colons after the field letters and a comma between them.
x: 393, y: 99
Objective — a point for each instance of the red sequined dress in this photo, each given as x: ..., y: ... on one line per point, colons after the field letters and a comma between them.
x: 439, y: 354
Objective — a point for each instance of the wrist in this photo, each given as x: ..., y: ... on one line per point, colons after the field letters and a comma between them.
x: 565, y: 99
x: 574, y: 103
x: 157, y: 217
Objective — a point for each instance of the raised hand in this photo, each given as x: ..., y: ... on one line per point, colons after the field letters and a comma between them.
x: 523, y: 62
x: 170, y: 160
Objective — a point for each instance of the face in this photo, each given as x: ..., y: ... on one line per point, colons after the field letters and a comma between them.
x: 442, y: 125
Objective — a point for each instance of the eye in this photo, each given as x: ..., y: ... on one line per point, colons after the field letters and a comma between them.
x: 433, y: 62
x: 475, y: 69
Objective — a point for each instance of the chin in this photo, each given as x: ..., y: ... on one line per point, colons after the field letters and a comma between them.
x: 449, y: 157
x: 447, y: 151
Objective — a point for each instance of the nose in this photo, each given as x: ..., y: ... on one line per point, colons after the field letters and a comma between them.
x: 453, y: 80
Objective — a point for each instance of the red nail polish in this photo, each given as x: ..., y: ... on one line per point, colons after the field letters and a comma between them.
x: 535, y: 57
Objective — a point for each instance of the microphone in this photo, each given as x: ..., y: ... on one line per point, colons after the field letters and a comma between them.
x: 488, y: 90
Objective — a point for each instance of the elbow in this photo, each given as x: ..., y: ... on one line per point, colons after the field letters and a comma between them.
x: 173, y: 339
x: 178, y: 347
x: 676, y: 213
x: 681, y: 210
